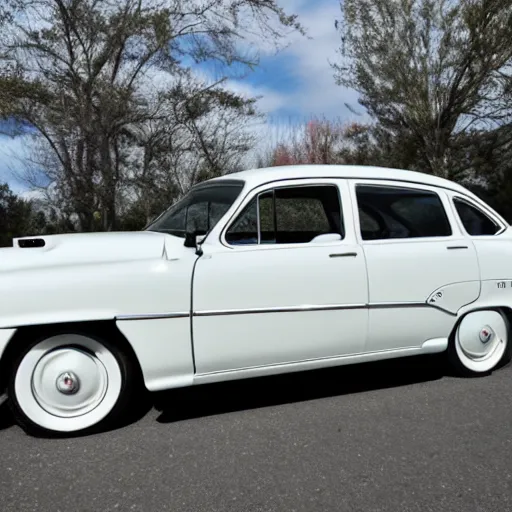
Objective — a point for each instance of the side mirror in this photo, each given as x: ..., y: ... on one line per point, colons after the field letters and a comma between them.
x: 194, y: 241
x: 190, y: 240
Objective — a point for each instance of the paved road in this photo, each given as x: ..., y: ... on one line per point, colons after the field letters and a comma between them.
x: 395, y: 436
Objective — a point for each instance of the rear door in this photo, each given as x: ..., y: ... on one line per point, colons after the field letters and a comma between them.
x: 421, y: 267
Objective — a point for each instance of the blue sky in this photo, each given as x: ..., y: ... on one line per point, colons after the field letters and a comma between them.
x: 298, y: 82
x: 295, y: 84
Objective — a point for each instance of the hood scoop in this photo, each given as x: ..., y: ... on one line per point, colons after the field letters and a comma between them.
x: 29, y: 243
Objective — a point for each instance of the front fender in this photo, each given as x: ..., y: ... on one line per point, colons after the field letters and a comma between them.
x: 77, y: 293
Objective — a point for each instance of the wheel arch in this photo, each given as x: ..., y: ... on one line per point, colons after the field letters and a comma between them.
x: 472, y: 308
x: 27, y: 334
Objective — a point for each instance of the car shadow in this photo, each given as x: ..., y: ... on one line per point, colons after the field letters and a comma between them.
x: 239, y: 395
x: 219, y: 398
x: 6, y: 417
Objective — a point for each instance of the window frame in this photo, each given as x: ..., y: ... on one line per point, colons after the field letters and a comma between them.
x: 440, y: 193
x: 457, y: 197
x: 256, y: 192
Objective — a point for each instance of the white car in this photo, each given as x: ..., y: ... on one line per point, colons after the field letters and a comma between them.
x: 255, y: 273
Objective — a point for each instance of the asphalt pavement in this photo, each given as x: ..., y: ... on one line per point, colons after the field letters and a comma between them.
x: 393, y: 436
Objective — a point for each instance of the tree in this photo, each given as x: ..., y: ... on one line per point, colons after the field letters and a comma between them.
x: 318, y: 141
x: 89, y: 76
x: 429, y: 71
x: 322, y: 141
x: 16, y: 216
x: 202, y: 132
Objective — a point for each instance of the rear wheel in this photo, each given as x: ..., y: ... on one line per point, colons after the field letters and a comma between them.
x: 69, y: 383
x: 481, y: 343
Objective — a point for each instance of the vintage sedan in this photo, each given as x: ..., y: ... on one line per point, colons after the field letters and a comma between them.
x: 255, y: 273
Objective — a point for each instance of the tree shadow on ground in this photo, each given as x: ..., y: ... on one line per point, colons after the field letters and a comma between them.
x: 219, y: 398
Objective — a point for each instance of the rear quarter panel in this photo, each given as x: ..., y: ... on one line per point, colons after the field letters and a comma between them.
x: 495, y: 261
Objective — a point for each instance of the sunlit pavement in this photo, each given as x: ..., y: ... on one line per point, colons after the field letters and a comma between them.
x: 394, y: 436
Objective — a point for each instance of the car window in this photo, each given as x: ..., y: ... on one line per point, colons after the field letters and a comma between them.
x: 394, y: 212
x: 288, y: 215
x: 475, y: 222
x: 245, y: 228
x: 197, y: 218
x: 200, y: 210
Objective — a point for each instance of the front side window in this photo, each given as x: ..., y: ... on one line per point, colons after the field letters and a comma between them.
x: 288, y: 215
x: 388, y: 212
x: 475, y: 222
x: 200, y: 210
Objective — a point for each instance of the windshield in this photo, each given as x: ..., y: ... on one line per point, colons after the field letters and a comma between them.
x: 199, y: 210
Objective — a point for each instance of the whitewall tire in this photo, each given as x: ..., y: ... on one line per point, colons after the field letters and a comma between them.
x: 481, y: 342
x: 67, y: 382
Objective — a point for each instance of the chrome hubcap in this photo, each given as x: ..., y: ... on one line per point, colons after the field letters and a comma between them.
x: 68, y: 383
x: 486, y: 334
x: 481, y: 340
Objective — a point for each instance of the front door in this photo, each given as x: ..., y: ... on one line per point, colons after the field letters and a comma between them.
x: 421, y: 267
x: 286, y: 282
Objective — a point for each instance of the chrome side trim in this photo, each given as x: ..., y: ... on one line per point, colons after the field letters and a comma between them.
x: 397, y: 304
x: 306, y: 308
x: 288, y: 309
x: 153, y: 316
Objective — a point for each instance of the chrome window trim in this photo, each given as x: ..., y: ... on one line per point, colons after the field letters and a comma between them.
x: 492, y: 218
x: 258, y: 219
x: 273, y: 186
x: 220, y: 229
x: 422, y: 187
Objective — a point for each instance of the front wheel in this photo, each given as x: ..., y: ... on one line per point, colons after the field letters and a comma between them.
x: 68, y: 383
x: 481, y: 343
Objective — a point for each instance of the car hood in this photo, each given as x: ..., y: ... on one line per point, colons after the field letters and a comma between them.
x: 87, y: 248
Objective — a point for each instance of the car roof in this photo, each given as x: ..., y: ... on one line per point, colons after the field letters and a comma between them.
x: 256, y: 177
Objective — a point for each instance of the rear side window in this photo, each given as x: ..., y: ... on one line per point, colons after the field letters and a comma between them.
x: 475, y: 222
x: 388, y: 212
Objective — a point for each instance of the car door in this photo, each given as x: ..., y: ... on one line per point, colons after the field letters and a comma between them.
x: 286, y: 282
x: 421, y: 267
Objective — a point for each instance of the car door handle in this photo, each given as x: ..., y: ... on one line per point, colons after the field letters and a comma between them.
x: 343, y: 255
x: 452, y: 247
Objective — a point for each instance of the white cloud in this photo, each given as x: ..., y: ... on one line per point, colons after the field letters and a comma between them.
x: 32, y: 194
x: 270, y: 100
x: 318, y: 94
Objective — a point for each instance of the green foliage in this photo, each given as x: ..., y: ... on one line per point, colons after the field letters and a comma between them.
x: 106, y: 87
x: 15, y: 216
x: 428, y: 70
